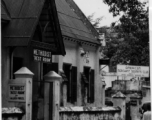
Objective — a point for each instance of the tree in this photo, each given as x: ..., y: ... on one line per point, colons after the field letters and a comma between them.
x: 133, y: 29
x: 95, y: 22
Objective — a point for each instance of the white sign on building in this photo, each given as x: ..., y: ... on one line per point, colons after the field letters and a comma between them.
x: 134, y: 71
x: 17, y: 92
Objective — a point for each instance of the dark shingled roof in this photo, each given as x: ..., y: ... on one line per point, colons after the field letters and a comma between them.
x: 71, y: 24
x: 24, y: 19
x: 24, y: 15
x: 4, y: 12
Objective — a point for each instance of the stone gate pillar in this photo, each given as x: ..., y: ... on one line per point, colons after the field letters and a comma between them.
x: 51, y: 96
x: 24, y: 77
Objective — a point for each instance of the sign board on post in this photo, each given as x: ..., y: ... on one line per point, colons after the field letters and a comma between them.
x: 17, y: 92
x: 41, y: 55
x: 134, y: 71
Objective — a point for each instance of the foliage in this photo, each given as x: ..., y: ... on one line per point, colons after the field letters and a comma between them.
x: 95, y: 22
x: 133, y: 29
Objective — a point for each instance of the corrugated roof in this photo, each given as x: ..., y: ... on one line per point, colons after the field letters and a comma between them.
x: 72, y: 25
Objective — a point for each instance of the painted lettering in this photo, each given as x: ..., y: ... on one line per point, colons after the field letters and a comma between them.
x: 21, y: 98
x: 21, y: 92
x: 46, y: 59
x: 35, y: 52
x: 13, y: 98
x: 13, y: 92
x: 16, y: 87
x: 122, y: 70
x: 41, y: 53
x: 37, y: 58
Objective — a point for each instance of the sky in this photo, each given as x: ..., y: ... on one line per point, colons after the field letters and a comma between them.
x: 99, y: 9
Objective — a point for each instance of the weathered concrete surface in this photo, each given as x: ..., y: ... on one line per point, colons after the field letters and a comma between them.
x: 89, y: 109
x: 90, y: 113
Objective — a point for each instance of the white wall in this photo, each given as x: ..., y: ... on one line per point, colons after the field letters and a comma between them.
x: 73, y: 56
x: 70, y: 56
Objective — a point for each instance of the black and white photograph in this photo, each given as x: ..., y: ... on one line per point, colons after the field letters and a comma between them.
x: 75, y: 59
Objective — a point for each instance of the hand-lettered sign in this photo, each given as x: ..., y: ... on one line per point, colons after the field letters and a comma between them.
x: 17, y: 92
x: 135, y: 71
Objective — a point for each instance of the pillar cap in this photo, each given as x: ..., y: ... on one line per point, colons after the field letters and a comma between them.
x: 119, y: 95
x: 52, y: 74
x: 23, y: 70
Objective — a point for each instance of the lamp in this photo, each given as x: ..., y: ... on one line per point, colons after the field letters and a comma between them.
x: 82, y: 52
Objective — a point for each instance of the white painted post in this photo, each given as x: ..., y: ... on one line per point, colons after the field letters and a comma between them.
x: 79, y: 63
x: 24, y: 75
x: 64, y: 94
x: 55, y: 79
x: 99, y: 96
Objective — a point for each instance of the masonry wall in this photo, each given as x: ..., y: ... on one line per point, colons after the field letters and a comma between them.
x: 121, y: 102
x: 135, y: 115
x: 90, y: 114
x: 146, y: 94
x: 126, y: 85
x: 108, y: 77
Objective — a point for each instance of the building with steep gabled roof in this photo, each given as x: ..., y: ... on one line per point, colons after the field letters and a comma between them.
x: 51, y: 35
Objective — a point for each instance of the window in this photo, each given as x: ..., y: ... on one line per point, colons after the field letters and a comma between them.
x: 71, y: 75
x: 89, y: 74
x: 46, y: 68
x: 50, y: 67
x: 17, y: 64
